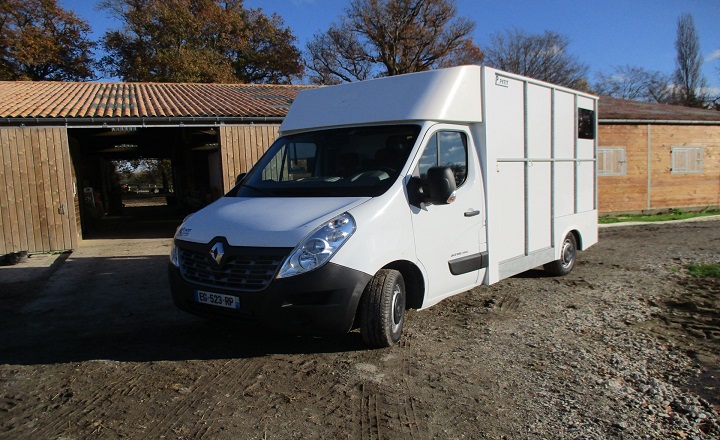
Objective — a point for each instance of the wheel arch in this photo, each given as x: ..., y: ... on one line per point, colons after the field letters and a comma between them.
x: 414, y: 282
x: 575, y: 232
x: 414, y: 285
x: 578, y: 238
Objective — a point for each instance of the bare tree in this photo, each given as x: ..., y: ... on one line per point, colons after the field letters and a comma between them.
x: 338, y: 56
x: 690, y: 85
x: 392, y: 37
x: 635, y: 83
x: 541, y: 56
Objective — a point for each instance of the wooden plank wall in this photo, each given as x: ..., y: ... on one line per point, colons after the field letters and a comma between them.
x: 241, y: 146
x: 629, y: 192
x: 666, y: 190
x: 37, y: 207
x: 685, y: 190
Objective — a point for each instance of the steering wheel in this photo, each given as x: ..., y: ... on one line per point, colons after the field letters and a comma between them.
x: 386, y: 170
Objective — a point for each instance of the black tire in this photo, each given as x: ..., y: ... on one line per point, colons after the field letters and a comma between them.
x: 382, y: 309
x: 568, y: 255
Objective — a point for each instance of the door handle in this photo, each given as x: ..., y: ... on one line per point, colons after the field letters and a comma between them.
x: 471, y: 213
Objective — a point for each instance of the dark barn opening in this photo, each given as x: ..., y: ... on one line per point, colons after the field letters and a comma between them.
x: 109, y: 207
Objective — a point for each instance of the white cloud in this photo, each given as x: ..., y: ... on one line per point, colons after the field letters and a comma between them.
x: 713, y: 56
x: 711, y: 91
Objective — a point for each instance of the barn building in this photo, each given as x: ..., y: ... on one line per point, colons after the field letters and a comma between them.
x: 58, y: 142
x: 655, y: 157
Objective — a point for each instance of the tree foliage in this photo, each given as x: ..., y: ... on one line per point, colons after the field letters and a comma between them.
x: 144, y: 172
x: 635, y: 83
x: 689, y: 82
x: 199, y: 41
x: 541, y: 56
x: 391, y: 37
x: 41, y: 41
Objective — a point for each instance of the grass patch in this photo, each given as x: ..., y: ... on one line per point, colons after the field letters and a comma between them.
x: 674, y: 214
x: 704, y: 270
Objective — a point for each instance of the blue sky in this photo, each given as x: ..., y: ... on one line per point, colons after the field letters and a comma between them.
x: 603, y: 33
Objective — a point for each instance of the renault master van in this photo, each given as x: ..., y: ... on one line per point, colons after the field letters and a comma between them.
x: 395, y: 193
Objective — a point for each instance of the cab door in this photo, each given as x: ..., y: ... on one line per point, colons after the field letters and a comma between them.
x: 450, y: 238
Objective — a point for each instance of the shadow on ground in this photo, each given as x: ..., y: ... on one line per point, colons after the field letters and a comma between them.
x: 120, y: 308
x: 136, y: 222
x: 110, y: 299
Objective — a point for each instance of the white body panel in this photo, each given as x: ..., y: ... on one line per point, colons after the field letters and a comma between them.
x: 449, y: 95
x: 530, y: 180
x: 263, y: 222
x: 443, y: 233
x: 540, y: 177
x: 384, y: 233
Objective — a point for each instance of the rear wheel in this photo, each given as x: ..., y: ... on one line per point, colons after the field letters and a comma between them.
x: 382, y: 309
x: 568, y: 254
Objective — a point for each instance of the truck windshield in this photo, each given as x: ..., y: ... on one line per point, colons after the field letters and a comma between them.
x: 346, y: 162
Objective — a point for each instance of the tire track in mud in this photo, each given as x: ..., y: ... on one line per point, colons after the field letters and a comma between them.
x: 417, y: 426
x: 225, y: 378
x: 255, y: 396
x: 369, y: 414
x: 100, y: 400
x: 388, y: 407
x: 409, y: 416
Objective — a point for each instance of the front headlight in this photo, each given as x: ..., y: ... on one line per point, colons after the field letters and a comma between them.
x: 318, y: 247
x: 181, y: 231
x: 174, y: 258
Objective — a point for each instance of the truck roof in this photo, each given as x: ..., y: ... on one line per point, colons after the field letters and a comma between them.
x: 452, y: 95
x: 447, y: 95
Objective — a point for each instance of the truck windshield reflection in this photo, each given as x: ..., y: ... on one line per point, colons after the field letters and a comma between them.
x: 352, y: 162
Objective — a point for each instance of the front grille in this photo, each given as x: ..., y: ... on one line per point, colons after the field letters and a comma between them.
x: 238, y: 272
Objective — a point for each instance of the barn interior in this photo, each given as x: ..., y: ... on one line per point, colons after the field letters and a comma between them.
x: 109, y: 207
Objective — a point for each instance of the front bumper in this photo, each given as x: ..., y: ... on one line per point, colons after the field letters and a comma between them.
x: 323, y: 301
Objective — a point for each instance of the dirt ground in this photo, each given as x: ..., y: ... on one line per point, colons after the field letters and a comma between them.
x: 627, y: 346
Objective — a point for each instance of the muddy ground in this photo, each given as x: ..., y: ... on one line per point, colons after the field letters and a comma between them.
x: 627, y: 346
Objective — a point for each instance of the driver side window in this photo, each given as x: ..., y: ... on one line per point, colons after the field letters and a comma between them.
x: 446, y: 149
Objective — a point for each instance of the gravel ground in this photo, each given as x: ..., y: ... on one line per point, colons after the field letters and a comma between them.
x: 627, y: 346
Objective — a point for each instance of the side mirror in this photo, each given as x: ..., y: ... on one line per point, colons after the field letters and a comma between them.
x: 416, y: 191
x: 240, y: 177
x: 441, y: 182
x: 437, y: 189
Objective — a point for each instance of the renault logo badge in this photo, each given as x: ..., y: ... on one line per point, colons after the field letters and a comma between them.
x: 217, y: 252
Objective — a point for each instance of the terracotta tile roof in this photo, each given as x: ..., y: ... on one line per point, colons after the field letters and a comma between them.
x: 27, y: 99
x: 47, y: 100
x: 613, y: 109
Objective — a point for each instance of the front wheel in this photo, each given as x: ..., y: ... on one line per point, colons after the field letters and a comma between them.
x: 382, y: 309
x: 568, y: 254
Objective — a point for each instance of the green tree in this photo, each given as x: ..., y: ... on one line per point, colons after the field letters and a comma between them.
x: 391, y: 37
x: 199, y: 41
x: 541, y: 56
x: 144, y: 172
x: 41, y: 41
x: 690, y: 85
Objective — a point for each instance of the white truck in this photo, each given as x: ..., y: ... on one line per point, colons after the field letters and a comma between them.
x: 395, y: 193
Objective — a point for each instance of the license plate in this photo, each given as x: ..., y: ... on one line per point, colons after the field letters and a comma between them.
x: 217, y: 299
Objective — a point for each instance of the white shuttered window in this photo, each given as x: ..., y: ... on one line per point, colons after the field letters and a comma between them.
x: 687, y: 160
x: 611, y: 161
